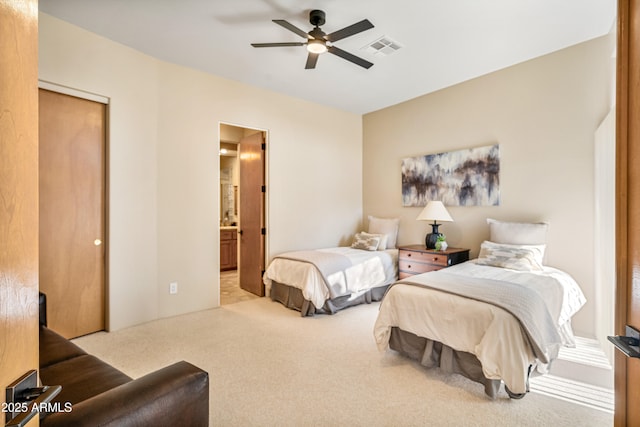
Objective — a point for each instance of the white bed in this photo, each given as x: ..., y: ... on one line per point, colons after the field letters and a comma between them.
x: 361, y: 272
x: 492, y: 334
x: 499, y: 318
x: 331, y: 279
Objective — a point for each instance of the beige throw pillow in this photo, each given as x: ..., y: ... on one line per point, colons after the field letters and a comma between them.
x: 365, y: 241
x: 515, y: 257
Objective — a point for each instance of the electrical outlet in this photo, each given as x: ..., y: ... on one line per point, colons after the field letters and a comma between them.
x: 173, y: 287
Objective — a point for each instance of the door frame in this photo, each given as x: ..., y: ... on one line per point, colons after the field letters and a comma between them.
x: 265, y: 212
x: 78, y: 93
x: 19, y: 190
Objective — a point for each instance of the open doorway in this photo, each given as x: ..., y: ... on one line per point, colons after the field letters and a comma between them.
x: 242, y: 212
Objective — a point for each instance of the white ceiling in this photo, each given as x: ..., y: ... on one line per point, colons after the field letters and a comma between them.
x: 444, y: 41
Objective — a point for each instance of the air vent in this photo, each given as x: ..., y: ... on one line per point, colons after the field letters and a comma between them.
x: 383, y: 46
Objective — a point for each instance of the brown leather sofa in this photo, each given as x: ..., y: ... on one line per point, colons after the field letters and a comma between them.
x: 96, y: 394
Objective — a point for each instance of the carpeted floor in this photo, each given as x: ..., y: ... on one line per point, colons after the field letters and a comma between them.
x: 270, y: 367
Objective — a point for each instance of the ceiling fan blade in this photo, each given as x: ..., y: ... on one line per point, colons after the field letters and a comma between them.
x: 350, y: 57
x: 291, y: 27
x: 312, y: 59
x: 277, y: 44
x: 356, y: 28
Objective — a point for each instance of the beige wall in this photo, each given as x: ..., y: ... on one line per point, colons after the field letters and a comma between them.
x: 71, y: 57
x: 323, y: 180
x: 544, y: 114
x: 164, y: 169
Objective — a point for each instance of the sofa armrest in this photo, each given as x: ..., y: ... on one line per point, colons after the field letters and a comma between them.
x: 175, y: 395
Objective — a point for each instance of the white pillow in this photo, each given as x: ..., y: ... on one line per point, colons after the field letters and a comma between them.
x: 515, y: 257
x: 365, y: 241
x: 517, y: 233
x: 388, y: 226
x: 383, y: 239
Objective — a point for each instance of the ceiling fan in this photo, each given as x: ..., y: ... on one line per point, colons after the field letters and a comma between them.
x: 319, y: 42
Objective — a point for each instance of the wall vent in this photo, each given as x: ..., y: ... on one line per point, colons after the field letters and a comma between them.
x: 383, y: 46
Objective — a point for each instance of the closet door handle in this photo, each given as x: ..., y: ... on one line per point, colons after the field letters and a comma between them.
x: 27, y: 399
x: 628, y: 344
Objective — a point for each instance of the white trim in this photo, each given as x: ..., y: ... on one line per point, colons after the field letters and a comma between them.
x: 237, y: 125
x: 577, y: 392
x: 54, y: 87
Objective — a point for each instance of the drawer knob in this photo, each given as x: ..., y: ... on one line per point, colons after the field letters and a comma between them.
x: 435, y: 258
x: 409, y: 266
x: 408, y: 254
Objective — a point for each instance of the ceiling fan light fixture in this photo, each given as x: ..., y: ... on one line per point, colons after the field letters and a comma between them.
x: 316, y: 46
x: 318, y: 42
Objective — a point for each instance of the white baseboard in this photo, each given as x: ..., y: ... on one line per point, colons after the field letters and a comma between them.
x: 580, y: 393
x: 586, y: 363
x: 582, y: 375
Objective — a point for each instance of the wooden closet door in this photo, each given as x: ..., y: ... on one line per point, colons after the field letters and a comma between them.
x: 72, y: 212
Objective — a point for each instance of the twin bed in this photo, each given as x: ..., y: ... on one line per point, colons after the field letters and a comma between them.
x: 500, y: 318
x: 487, y: 323
x: 328, y: 280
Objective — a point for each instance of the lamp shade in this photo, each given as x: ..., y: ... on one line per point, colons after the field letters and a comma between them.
x: 435, y: 211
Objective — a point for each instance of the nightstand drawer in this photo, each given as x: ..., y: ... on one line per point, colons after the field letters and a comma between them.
x: 416, y: 259
x: 431, y: 258
x: 417, y: 267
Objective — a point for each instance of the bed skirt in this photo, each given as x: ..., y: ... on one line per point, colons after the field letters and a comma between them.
x: 292, y: 298
x: 431, y: 353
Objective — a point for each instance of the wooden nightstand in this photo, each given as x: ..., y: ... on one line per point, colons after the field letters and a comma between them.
x: 416, y: 259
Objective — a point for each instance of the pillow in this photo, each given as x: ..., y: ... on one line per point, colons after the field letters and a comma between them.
x: 388, y: 226
x: 515, y: 257
x: 518, y: 233
x: 383, y: 239
x: 365, y: 241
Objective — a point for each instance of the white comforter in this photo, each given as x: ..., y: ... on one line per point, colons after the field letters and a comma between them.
x: 492, y: 334
x: 370, y: 269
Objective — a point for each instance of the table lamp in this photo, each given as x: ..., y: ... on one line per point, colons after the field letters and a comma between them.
x: 434, y: 211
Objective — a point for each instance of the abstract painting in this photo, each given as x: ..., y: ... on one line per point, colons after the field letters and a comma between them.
x: 469, y: 177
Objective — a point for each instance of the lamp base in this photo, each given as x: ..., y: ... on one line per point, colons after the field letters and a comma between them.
x: 432, y: 238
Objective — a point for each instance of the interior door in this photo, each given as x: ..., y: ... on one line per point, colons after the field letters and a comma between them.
x: 72, y: 212
x: 18, y: 192
x: 251, y: 151
x: 627, y: 370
